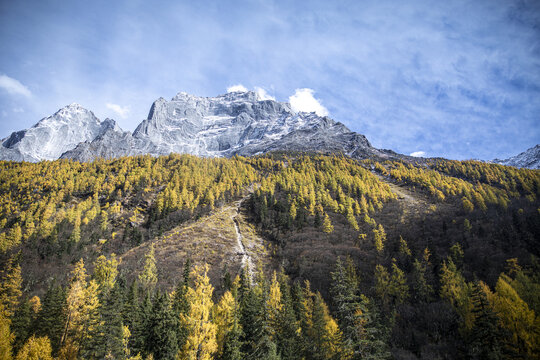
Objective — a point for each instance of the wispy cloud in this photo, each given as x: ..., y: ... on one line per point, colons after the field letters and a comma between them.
x: 418, y: 154
x: 13, y: 86
x: 303, y: 100
x: 407, y: 75
x: 237, y: 88
x: 122, y: 111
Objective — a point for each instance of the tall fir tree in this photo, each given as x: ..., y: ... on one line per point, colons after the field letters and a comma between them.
x: 486, y: 338
x: 52, y: 316
x: 162, y: 342
x: 180, y: 303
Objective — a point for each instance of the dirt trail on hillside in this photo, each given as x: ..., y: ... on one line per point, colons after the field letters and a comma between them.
x: 247, y: 262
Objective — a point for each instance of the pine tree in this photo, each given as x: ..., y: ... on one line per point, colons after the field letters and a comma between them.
x: 162, y: 342
x: 286, y: 333
x: 485, y: 338
x: 252, y: 322
x: 51, y: 318
x: 141, y: 344
x: 457, y: 291
x: 132, y: 319
x: 232, y: 345
x: 109, y: 337
x: 324, y: 333
x: 180, y: 303
x: 422, y: 290
x: 21, y: 324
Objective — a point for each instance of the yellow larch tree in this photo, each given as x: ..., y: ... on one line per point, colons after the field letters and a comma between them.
x: 201, y: 341
x: 36, y: 348
x: 274, y: 303
x: 224, y: 314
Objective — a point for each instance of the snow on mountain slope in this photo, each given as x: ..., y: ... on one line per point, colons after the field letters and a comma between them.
x: 233, y: 123
x: 530, y: 159
x: 53, y: 135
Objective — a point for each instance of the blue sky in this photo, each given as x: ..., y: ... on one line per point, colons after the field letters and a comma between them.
x: 459, y: 79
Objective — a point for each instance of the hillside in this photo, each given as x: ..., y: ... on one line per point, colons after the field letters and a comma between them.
x: 423, y: 257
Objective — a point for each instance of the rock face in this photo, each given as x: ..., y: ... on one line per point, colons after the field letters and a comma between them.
x: 530, y: 159
x: 53, y: 135
x: 233, y: 123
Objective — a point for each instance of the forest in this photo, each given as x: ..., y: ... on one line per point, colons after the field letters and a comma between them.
x: 365, y: 259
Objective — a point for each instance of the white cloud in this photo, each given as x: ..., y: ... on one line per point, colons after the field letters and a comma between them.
x: 122, y: 111
x: 418, y: 154
x: 303, y: 100
x: 262, y: 94
x: 18, y: 110
x: 237, y: 88
x: 13, y: 86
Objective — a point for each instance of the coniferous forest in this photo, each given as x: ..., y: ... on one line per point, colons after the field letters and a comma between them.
x: 278, y: 256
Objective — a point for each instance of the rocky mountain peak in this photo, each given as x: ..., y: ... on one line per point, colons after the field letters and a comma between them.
x: 530, y: 159
x: 233, y: 123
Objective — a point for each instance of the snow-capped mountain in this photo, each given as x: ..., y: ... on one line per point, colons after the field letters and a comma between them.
x: 530, y: 158
x: 233, y: 123
x: 54, y: 135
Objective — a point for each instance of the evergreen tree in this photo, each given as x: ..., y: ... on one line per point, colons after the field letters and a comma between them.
x: 286, y: 330
x: 132, y: 319
x: 108, y: 341
x: 162, y: 342
x: 422, y: 290
x: 485, y: 338
x: 21, y: 324
x: 232, y: 345
x: 325, y: 334
x: 361, y: 332
x: 141, y: 344
x: 52, y: 316
x: 180, y: 303
x: 252, y: 322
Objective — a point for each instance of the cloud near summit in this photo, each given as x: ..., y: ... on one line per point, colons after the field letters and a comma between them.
x: 303, y: 100
x: 122, y: 111
x: 237, y: 88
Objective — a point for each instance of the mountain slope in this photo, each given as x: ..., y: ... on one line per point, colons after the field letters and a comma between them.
x: 54, y: 135
x: 530, y: 159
